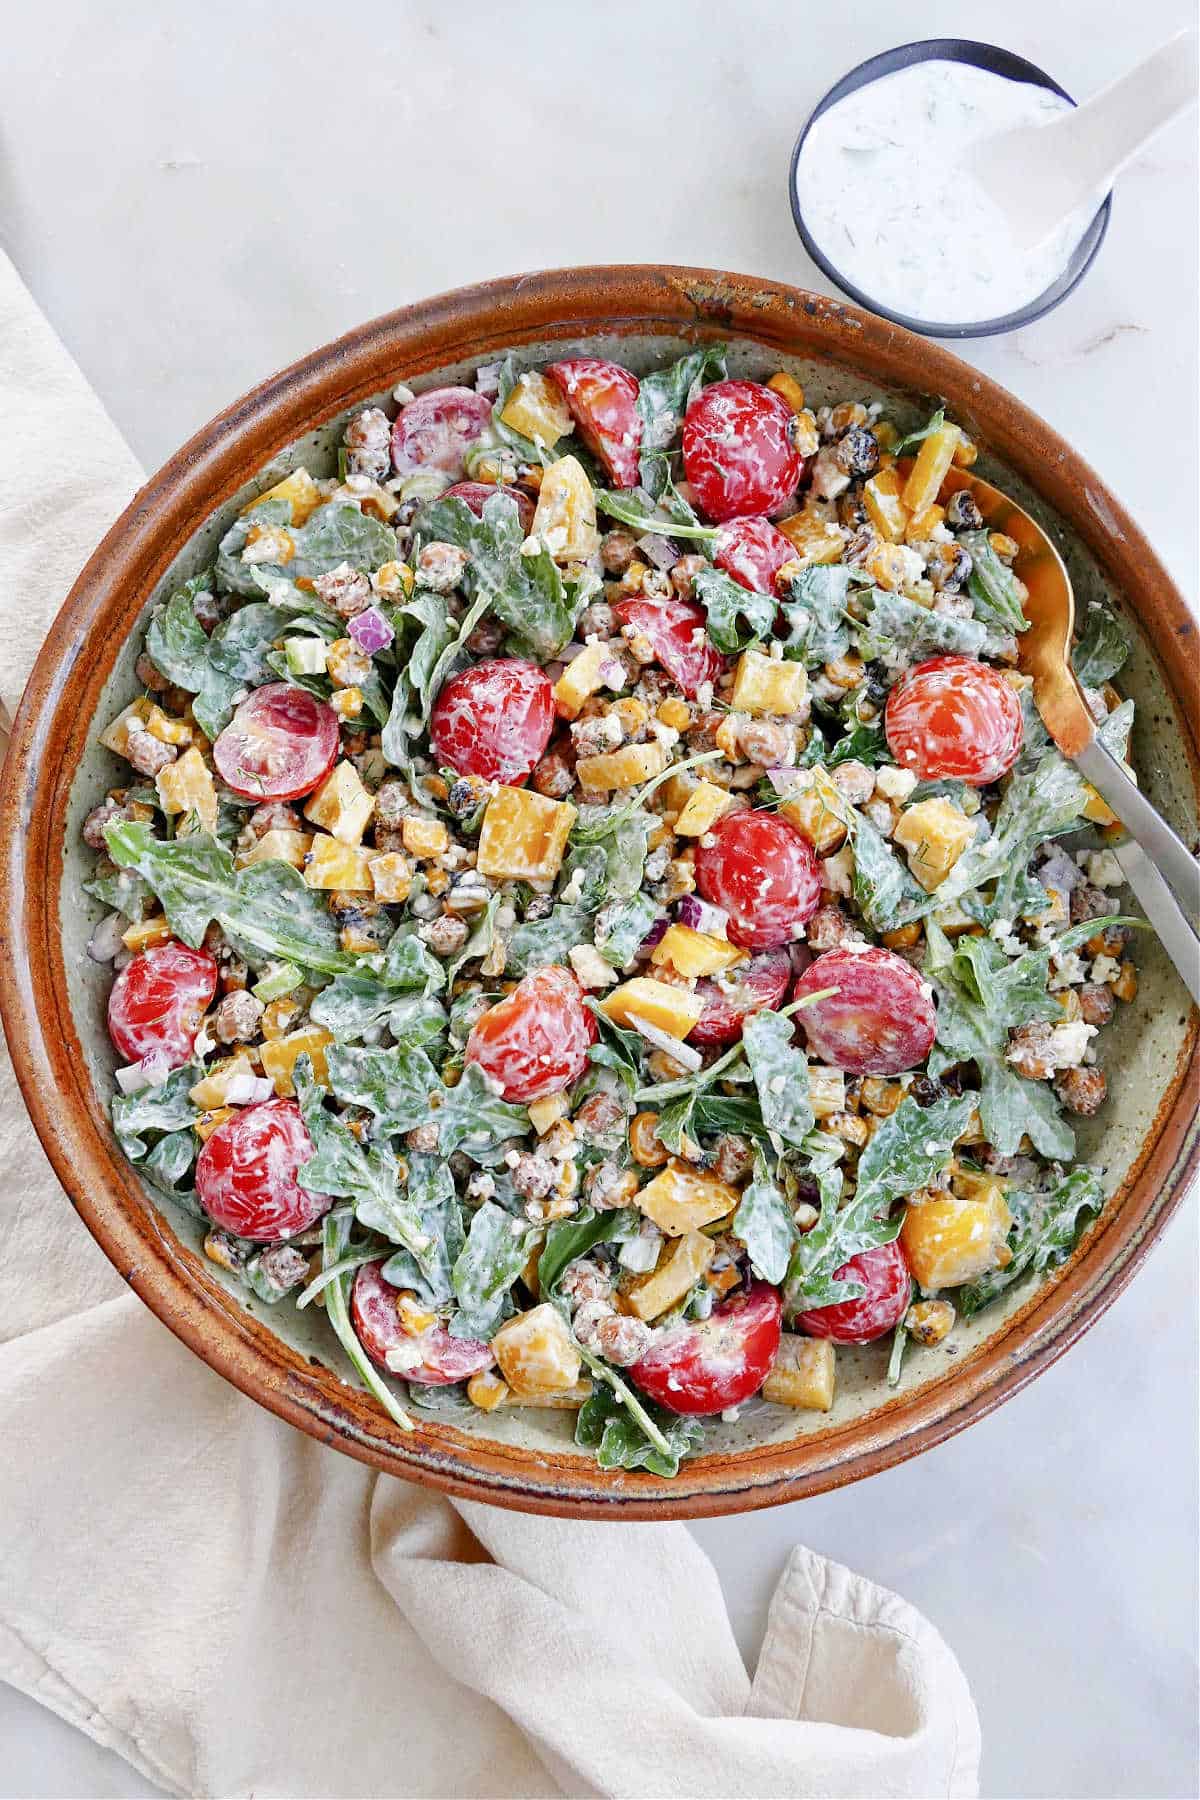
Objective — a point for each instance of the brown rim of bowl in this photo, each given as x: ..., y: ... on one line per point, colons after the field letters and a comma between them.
x: 52, y: 729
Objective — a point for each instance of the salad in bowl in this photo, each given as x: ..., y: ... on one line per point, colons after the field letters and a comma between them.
x: 593, y: 908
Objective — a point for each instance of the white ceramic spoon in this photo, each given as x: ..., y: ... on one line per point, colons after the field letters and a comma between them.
x: 1041, y: 174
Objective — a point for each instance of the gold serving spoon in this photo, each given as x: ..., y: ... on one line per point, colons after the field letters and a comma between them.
x: 1158, y: 867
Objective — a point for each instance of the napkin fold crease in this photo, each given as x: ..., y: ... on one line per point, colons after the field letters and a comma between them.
x: 237, y: 1610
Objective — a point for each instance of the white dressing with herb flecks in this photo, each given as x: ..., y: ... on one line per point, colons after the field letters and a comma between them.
x: 884, y: 186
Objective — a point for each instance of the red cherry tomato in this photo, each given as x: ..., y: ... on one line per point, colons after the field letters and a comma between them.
x: 494, y: 720
x: 880, y: 1020
x: 678, y: 631
x: 884, y: 1273
x: 474, y: 493
x: 158, y: 1000
x: 280, y: 743
x: 954, y: 718
x: 246, y: 1173
x: 603, y: 399
x: 738, y: 449
x: 436, y: 430
x: 764, y: 874
x: 748, y: 988
x: 376, y: 1321
x: 705, y: 1365
x: 535, y: 1041
x: 753, y: 552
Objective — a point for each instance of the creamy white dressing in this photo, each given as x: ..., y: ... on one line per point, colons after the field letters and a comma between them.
x: 884, y: 191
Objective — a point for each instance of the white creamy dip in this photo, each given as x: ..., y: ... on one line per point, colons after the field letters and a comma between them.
x: 883, y: 190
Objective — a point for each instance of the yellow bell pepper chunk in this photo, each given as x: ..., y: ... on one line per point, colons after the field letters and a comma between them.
x: 523, y: 836
x: 674, y: 1010
x: 681, y: 1199
x: 679, y: 1269
x: 622, y: 768
x: 535, y: 1352
x: 695, y: 953
x: 803, y: 1374
x: 704, y: 806
x: 279, y: 1057
x: 764, y: 686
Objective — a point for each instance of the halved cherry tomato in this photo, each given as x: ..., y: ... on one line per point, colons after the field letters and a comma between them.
x: 678, y: 629
x: 158, y: 1000
x: 603, y: 400
x: 954, y: 718
x: 884, y: 1273
x: 881, y: 1019
x: 280, y: 743
x: 738, y: 449
x: 753, y: 552
x: 748, y: 987
x: 246, y: 1173
x: 764, y: 874
x: 535, y: 1041
x: 377, y: 1322
x: 474, y: 493
x: 705, y: 1365
x: 436, y: 430
x: 494, y: 720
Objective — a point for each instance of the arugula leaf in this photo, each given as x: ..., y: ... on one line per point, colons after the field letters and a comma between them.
x: 178, y: 646
x: 335, y: 533
x: 432, y: 1197
x: 267, y: 906
x: 884, y: 890
x: 1103, y: 646
x: 367, y: 994
x: 547, y: 940
x: 617, y: 1049
x: 495, y: 1252
x: 1046, y: 1228
x: 815, y: 612
x: 471, y: 1117
x: 304, y: 606
x: 232, y: 575
x: 635, y: 508
x: 780, y: 1074
x: 727, y: 602
x: 569, y: 1239
x: 343, y: 1169
x: 335, y: 1239
x: 123, y: 891
x: 665, y: 394
x: 611, y: 853
x: 605, y: 1424
x: 906, y: 1151
x: 903, y: 632
x: 992, y: 585
x: 862, y: 743
x: 157, y: 1109
x: 622, y: 928
x: 764, y: 1223
x: 981, y: 996
x: 393, y: 1085
x: 935, y: 423
x: 527, y: 593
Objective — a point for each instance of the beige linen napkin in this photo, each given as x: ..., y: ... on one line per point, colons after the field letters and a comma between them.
x: 239, y: 1610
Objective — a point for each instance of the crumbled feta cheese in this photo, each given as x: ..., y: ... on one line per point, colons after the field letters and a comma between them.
x: 591, y: 970
x: 402, y: 395
x: 1103, y: 869
x: 895, y: 784
x: 573, y: 889
x: 1105, y: 969
x: 1066, y: 971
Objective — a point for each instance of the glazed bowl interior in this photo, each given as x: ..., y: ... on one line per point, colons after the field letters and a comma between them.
x: 290, y: 1360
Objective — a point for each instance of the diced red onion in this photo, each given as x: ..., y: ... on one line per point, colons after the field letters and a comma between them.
x: 1060, y: 871
x: 784, y: 781
x: 655, y: 935
x: 658, y: 550
x: 371, y: 631
x: 689, y: 1059
x: 614, y: 675
x: 150, y: 1072
x: 699, y: 915
x: 487, y: 378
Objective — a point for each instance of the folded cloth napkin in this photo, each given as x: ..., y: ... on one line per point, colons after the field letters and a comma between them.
x: 237, y: 1609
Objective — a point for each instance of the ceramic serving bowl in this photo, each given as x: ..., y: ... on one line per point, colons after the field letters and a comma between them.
x: 53, y: 998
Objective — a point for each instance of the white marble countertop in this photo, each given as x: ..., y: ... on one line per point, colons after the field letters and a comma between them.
x: 198, y: 195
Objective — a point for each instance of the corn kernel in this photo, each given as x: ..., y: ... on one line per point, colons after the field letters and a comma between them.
x: 345, y: 664
x: 1125, y: 986
x: 674, y: 713
x: 276, y: 544
x: 929, y: 1321
x: 487, y: 1390
x: 347, y: 703
x: 211, y: 1121
x: 847, y: 413
x: 1005, y: 547
x: 149, y: 931
x: 393, y: 581
x: 414, y: 1318
x: 278, y: 1016
x: 789, y: 389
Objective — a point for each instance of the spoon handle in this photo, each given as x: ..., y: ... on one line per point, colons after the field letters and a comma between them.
x: 1164, y: 913
x: 1143, y: 822
x: 1095, y: 141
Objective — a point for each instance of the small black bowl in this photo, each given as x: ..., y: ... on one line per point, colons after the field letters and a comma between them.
x: 997, y: 62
